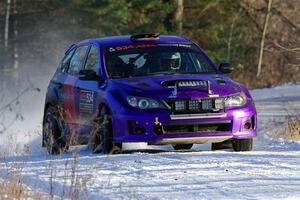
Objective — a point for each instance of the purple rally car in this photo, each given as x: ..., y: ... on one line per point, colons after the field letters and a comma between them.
x: 145, y: 88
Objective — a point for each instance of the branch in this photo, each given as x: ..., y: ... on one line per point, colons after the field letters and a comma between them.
x: 287, y: 49
x: 10, y: 105
x: 16, y: 99
x: 208, y: 6
x: 293, y: 65
x: 292, y: 24
x: 262, y: 43
x: 247, y: 12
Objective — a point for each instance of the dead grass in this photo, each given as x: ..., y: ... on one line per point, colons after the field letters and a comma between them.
x: 14, y: 189
x: 290, y: 130
x: 73, y: 186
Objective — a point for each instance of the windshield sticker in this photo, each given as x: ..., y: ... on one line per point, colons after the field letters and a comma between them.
x: 127, y: 47
x: 175, y: 45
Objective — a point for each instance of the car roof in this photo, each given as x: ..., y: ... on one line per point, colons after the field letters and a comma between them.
x: 126, y: 40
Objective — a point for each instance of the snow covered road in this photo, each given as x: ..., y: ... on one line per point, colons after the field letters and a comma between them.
x: 270, y: 171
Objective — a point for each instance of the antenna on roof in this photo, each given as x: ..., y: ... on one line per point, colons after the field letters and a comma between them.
x: 145, y: 36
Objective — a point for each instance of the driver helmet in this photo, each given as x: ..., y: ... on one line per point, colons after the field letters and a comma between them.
x: 170, y: 61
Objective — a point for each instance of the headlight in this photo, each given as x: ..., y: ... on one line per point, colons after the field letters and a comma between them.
x: 235, y: 100
x: 144, y: 103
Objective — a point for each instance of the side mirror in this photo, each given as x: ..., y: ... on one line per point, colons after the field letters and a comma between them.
x: 88, y: 75
x: 225, y: 68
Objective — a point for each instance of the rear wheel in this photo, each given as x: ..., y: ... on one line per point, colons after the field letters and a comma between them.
x: 102, y: 134
x: 242, y: 144
x: 182, y: 146
x: 53, y: 138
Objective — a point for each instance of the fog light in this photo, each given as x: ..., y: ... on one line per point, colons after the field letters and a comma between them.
x: 157, y: 129
x: 247, y: 125
x: 193, y: 105
x: 139, y: 130
x: 179, y: 105
x: 135, y: 128
x: 219, y: 103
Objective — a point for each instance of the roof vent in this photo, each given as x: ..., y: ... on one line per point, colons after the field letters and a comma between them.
x: 145, y: 36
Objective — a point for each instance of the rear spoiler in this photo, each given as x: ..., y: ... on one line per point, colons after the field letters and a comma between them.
x: 145, y: 36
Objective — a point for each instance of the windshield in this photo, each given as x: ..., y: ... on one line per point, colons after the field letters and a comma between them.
x: 155, y: 59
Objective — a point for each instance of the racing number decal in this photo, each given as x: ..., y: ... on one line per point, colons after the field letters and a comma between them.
x: 86, y: 101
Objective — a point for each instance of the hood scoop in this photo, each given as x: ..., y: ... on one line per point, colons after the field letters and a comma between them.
x: 185, y: 83
x: 177, y: 84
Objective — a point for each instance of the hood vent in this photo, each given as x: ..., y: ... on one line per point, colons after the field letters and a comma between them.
x: 185, y: 83
x: 177, y: 84
x: 192, y: 83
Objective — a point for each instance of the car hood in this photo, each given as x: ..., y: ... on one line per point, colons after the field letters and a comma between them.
x: 161, y: 86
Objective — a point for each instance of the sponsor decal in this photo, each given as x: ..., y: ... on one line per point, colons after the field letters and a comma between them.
x: 127, y: 47
x: 175, y: 45
x: 86, y: 101
x: 214, y: 95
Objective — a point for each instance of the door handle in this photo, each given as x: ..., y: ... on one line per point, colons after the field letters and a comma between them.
x: 59, y: 85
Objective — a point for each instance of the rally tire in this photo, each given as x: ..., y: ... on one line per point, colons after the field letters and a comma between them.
x: 53, y: 138
x: 102, y: 134
x: 242, y: 144
x: 182, y: 146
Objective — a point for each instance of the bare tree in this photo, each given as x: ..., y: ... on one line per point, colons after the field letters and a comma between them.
x: 10, y: 107
x: 229, y: 42
x: 178, y: 15
x: 6, y: 28
x: 16, y: 33
x: 173, y: 20
x: 262, y: 43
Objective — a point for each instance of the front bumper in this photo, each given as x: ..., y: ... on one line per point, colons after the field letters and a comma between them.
x: 240, y: 123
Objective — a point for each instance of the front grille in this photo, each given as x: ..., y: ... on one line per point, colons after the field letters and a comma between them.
x: 212, y: 127
x: 190, y: 106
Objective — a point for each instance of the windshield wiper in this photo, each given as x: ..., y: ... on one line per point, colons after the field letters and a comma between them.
x: 159, y: 73
x: 178, y: 73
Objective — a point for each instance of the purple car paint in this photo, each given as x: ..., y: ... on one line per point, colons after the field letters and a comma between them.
x: 157, y: 89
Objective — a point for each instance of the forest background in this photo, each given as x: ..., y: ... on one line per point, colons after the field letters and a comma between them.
x: 259, y: 37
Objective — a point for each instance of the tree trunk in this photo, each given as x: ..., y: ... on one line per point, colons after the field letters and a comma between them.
x: 229, y: 42
x: 16, y: 72
x: 16, y: 33
x: 178, y: 16
x: 6, y: 28
x: 262, y: 43
x: 173, y: 20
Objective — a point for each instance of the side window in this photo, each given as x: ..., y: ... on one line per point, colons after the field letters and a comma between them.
x: 77, y: 60
x: 202, y: 63
x: 66, y: 61
x: 92, y: 61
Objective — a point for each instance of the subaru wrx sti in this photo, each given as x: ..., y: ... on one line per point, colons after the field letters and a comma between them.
x: 145, y: 88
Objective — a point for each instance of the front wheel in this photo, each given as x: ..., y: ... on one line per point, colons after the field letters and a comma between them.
x: 182, y: 146
x: 102, y: 134
x: 242, y: 144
